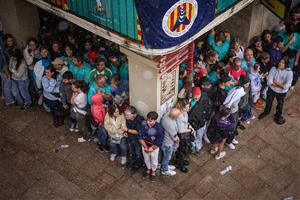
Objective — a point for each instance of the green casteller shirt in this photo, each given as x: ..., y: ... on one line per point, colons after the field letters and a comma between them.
x: 221, y: 49
x: 294, y: 45
x: 94, y: 73
x: 82, y: 73
x: 94, y: 89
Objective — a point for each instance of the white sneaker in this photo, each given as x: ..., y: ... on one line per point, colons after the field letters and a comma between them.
x: 169, y: 173
x: 112, y: 157
x: 231, y: 146
x: 235, y: 142
x: 213, y: 151
x: 72, y: 129
x: 40, y: 101
x: 76, y: 129
x: 171, y: 167
x: 81, y: 140
x: 292, y: 88
x: 123, y: 160
x: 220, y: 155
x: 206, y: 139
x: 47, y: 109
x: 253, y: 117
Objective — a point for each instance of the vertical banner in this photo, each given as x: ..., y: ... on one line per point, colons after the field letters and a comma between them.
x: 168, y: 23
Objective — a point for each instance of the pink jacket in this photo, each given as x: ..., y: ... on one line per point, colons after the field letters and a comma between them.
x: 98, y: 111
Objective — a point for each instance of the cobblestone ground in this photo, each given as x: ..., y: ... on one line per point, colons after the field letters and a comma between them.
x: 265, y: 164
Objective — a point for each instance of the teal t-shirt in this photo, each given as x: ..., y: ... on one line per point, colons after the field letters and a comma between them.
x: 81, y: 74
x: 94, y: 89
x: 192, y: 103
x: 213, y: 77
x: 221, y: 49
x: 124, y: 71
x: 294, y: 45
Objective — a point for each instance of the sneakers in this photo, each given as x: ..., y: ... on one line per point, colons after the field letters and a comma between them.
x: 292, y: 88
x: 230, y: 146
x: 40, y: 101
x: 213, y: 151
x: 220, y: 155
x: 112, y: 157
x: 72, y: 128
x: 76, y: 129
x: 81, y: 140
x: 100, y: 148
x: 169, y: 173
x: 123, y: 160
x: 171, y: 167
x: 235, y: 142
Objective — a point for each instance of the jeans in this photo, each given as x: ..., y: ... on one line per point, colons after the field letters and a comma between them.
x: 280, y: 100
x: 235, y: 118
x: 168, y: 151
x: 246, y: 113
x: 135, y: 151
x: 34, y: 92
x: 21, y: 92
x: 102, y: 135
x: 123, y: 147
x: 6, y: 88
x: 56, y: 108
x: 198, y: 143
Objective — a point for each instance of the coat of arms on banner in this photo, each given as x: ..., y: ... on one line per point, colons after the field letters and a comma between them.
x: 180, y: 18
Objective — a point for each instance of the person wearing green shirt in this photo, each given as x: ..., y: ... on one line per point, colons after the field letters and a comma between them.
x: 100, y: 69
x: 99, y: 85
x: 220, y: 42
x: 80, y: 69
x: 291, y: 40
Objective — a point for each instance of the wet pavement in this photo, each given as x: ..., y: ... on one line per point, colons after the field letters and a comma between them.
x: 265, y: 164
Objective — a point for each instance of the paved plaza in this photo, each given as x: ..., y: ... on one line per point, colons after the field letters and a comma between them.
x: 33, y: 166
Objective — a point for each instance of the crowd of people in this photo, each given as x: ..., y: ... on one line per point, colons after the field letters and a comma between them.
x: 81, y: 78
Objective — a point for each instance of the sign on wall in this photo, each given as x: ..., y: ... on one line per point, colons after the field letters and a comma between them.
x: 278, y: 7
x: 168, y: 86
x: 168, y: 23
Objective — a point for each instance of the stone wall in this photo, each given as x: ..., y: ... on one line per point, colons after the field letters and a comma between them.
x: 19, y: 18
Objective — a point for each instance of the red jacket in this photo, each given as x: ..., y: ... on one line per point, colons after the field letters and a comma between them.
x: 98, y: 111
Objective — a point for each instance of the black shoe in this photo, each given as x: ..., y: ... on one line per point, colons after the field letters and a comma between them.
x: 24, y: 107
x: 100, y: 148
x: 146, y: 174
x: 106, y: 148
x: 241, y: 126
x: 262, y: 115
x: 184, y: 169
x: 186, y: 162
x: 279, y: 120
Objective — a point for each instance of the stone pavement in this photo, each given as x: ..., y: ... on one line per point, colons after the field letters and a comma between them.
x: 265, y: 164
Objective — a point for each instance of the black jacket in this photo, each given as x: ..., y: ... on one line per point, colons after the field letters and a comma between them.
x: 201, y: 112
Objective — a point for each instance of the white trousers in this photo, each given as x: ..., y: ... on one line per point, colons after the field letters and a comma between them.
x: 151, y: 159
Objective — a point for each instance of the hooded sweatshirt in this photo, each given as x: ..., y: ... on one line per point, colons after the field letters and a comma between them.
x: 255, y: 78
x: 233, y: 98
x: 98, y: 111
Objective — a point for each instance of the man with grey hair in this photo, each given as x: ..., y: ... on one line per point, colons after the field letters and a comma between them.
x: 133, y: 121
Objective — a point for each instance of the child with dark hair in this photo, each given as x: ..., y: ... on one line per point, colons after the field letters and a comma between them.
x: 52, y: 97
x: 274, y: 50
x: 56, y: 50
x: 218, y: 131
x: 79, y: 109
x: 266, y: 39
x: 151, y: 135
x: 69, y: 54
x: 20, y: 80
x: 65, y: 89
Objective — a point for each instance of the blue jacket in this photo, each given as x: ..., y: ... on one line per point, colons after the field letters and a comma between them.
x: 154, y: 135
